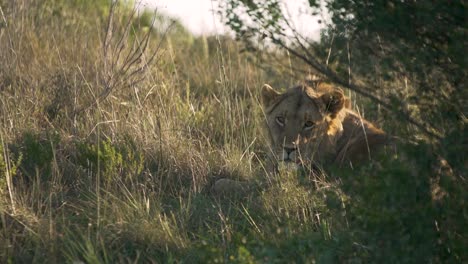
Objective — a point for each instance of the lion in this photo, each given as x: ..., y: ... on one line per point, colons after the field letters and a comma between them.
x: 316, y: 126
x: 311, y: 128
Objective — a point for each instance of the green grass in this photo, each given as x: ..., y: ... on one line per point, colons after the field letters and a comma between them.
x: 129, y: 179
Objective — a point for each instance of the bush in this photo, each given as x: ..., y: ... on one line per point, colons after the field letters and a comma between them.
x: 8, y: 167
x: 120, y: 161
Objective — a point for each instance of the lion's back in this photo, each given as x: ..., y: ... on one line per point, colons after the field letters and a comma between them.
x: 360, y: 139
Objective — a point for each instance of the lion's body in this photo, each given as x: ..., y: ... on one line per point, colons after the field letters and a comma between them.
x: 359, y: 140
x: 316, y: 125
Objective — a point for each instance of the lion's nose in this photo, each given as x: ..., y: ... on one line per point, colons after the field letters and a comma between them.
x: 289, y: 150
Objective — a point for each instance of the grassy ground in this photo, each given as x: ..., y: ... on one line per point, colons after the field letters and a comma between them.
x: 126, y: 176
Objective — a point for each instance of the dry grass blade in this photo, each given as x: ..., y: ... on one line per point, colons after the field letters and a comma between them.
x: 124, y: 66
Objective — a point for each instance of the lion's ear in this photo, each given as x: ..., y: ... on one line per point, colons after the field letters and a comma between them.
x: 334, y: 101
x: 269, y: 95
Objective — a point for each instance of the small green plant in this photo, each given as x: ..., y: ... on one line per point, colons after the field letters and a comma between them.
x: 38, y: 153
x: 8, y: 167
x: 112, y: 160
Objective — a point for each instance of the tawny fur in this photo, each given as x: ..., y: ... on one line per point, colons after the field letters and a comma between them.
x: 339, y: 135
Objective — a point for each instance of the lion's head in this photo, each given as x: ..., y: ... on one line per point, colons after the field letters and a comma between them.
x: 303, y: 123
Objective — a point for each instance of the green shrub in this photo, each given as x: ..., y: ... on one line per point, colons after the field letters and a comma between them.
x: 8, y: 167
x: 392, y: 215
x: 111, y: 160
x: 37, y: 152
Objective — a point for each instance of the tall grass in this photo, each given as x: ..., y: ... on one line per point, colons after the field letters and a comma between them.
x: 128, y: 176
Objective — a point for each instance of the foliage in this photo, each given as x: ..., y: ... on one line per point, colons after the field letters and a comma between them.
x: 8, y: 167
x: 421, y: 41
x: 38, y: 153
x: 395, y: 213
x: 418, y: 35
x: 112, y: 160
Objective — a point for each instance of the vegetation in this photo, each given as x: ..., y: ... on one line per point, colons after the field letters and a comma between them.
x: 113, y: 133
x: 403, y: 55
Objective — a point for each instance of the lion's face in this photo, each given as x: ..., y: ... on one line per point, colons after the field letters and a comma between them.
x: 302, y: 122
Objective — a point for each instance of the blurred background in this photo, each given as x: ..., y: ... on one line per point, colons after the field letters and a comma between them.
x: 202, y: 16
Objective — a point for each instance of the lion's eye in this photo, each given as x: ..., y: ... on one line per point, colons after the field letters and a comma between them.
x: 280, y: 120
x: 308, y: 125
